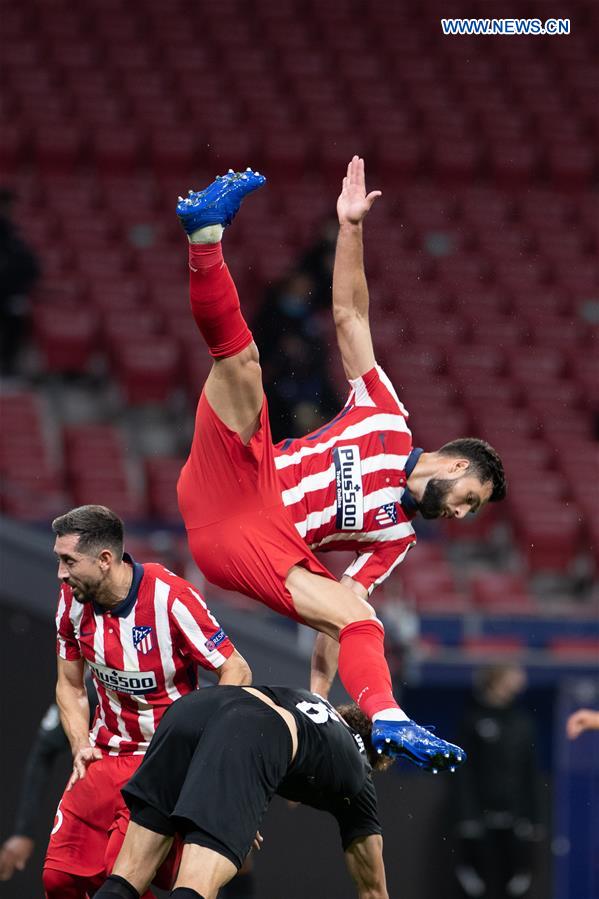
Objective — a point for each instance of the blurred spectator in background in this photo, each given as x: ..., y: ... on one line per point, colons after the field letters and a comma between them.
x: 293, y: 354
x: 50, y: 742
x: 19, y: 270
x: 497, y: 801
x: 581, y: 720
x: 318, y: 261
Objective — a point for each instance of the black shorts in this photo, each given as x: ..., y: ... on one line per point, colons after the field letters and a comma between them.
x: 215, y: 762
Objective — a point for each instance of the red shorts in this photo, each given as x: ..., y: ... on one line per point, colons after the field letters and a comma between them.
x: 91, y: 821
x: 240, y: 534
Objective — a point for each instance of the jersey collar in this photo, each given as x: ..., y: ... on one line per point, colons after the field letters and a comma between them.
x: 408, y: 503
x: 126, y: 604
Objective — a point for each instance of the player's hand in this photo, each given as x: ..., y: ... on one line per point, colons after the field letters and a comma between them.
x: 583, y: 719
x: 81, y: 761
x: 15, y: 852
x: 258, y: 840
x: 354, y: 203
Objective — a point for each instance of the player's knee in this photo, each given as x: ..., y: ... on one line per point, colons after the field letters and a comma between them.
x: 361, y: 612
x: 353, y: 611
x: 62, y: 885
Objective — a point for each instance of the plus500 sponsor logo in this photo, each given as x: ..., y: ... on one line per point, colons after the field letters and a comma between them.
x: 348, y: 480
x: 134, y: 682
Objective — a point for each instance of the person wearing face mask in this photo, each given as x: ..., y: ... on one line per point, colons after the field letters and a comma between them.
x: 496, y: 794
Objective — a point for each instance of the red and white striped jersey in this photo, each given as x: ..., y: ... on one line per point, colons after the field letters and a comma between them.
x: 143, y: 654
x: 343, y: 484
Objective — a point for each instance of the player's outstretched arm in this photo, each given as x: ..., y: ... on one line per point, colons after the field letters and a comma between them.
x: 364, y: 859
x: 581, y: 720
x: 71, y: 697
x: 350, y: 290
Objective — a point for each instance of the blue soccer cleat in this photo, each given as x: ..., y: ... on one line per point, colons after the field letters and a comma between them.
x: 218, y: 203
x: 420, y: 746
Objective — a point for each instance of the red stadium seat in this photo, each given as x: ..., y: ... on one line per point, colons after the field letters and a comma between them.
x: 116, y: 152
x: 501, y: 593
x: 67, y: 337
x: 162, y: 474
x: 58, y: 150
x: 572, y: 165
x: 512, y: 163
x: 112, y: 492
x: 147, y: 367
x: 578, y: 649
x: 549, y: 533
x: 87, y: 447
x: 456, y: 161
x: 488, y: 648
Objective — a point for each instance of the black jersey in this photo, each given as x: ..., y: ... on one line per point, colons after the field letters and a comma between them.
x: 220, y: 754
x: 331, y: 770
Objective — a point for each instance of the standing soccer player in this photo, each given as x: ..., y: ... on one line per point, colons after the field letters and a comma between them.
x: 142, y: 631
x: 240, y: 532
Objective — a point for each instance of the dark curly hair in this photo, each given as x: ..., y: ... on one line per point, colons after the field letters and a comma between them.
x: 485, y: 463
x: 362, y: 724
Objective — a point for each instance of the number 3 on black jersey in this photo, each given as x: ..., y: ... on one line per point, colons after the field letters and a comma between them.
x: 318, y: 712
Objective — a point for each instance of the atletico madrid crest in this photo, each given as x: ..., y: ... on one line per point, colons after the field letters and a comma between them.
x: 142, y: 639
x: 386, y: 515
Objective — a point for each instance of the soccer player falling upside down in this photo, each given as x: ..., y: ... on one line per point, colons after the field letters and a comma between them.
x: 254, y: 512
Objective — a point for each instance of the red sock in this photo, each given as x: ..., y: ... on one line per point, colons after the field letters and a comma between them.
x: 215, y: 303
x: 363, y: 668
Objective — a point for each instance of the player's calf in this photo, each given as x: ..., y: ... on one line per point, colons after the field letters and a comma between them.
x: 214, y: 301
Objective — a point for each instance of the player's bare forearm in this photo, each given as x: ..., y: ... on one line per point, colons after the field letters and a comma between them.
x: 350, y: 303
x: 325, y: 659
x: 73, y: 704
x: 350, y: 290
x: 364, y: 859
x: 235, y: 671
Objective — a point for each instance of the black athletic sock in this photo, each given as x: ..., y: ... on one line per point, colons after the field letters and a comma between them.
x: 116, y: 888
x: 186, y: 893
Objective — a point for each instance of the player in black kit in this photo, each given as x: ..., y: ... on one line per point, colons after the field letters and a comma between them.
x: 214, y: 764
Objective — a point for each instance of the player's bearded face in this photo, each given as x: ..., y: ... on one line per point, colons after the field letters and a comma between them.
x: 86, y: 585
x: 434, y: 499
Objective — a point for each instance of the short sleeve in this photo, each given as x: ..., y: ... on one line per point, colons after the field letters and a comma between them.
x: 201, y: 637
x: 67, y: 644
x: 357, y: 817
x: 374, y: 388
x: 373, y: 566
